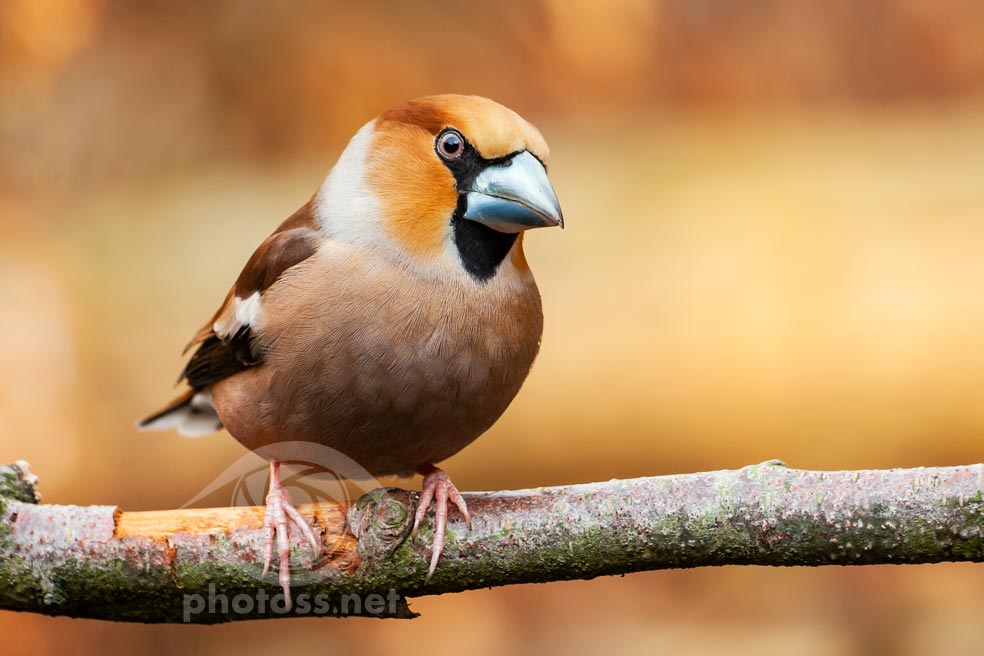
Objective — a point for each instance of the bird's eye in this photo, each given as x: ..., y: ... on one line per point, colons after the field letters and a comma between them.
x: 450, y: 144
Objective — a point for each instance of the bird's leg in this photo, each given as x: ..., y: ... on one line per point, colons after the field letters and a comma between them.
x: 439, y: 488
x: 279, y: 509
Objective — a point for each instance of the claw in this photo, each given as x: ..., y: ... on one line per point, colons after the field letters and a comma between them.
x: 301, y: 523
x: 439, y: 488
x: 280, y: 508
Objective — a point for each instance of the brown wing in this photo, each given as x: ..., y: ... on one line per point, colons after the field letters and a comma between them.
x: 226, y: 342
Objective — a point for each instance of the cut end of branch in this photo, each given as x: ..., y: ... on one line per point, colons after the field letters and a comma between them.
x: 18, y: 483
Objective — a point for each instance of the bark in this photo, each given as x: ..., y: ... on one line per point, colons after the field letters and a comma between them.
x: 179, y: 565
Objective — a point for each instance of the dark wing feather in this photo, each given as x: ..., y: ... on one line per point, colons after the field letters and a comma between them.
x: 216, y: 359
x: 219, y: 357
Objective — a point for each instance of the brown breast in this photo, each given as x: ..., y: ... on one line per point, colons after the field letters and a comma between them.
x: 391, y: 368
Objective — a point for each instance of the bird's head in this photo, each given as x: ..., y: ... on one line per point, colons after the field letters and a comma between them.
x: 442, y: 181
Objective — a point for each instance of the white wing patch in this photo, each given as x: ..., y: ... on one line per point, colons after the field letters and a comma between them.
x: 241, y: 313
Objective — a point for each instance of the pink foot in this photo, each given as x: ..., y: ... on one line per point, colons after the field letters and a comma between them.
x: 439, y: 488
x: 280, y: 508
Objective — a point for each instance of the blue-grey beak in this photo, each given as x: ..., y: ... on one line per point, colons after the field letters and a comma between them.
x: 514, y: 196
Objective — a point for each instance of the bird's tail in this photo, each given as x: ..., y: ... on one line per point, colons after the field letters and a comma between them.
x: 192, y: 413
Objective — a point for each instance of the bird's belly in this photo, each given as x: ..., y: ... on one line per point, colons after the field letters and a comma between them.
x: 402, y: 408
x: 393, y: 384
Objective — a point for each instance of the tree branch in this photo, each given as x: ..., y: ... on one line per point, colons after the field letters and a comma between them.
x: 203, y: 565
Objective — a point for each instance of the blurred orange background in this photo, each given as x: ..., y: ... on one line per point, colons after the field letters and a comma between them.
x: 775, y: 225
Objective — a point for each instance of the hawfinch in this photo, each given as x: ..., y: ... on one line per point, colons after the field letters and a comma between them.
x: 393, y: 317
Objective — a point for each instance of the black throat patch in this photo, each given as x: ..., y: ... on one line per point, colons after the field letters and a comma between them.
x: 481, y: 248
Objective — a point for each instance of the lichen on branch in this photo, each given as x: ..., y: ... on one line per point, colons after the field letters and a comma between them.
x: 204, y: 565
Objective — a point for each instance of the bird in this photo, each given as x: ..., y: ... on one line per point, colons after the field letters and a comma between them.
x: 393, y: 317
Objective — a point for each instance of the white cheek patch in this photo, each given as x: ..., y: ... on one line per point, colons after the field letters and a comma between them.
x: 347, y: 210
x: 241, y: 313
x: 345, y: 207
